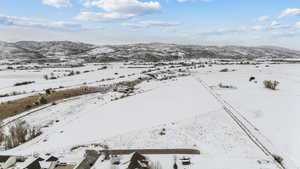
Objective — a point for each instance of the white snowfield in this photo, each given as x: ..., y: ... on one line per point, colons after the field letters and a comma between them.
x: 187, y: 114
x: 10, y: 77
x: 275, y: 113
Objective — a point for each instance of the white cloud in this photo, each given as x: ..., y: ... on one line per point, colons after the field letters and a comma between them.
x: 298, y: 25
x: 286, y: 34
x: 94, y: 16
x: 259, y: 28
x: 273, y: 26
x: 148, y: 23
x: 290, y: 12
x: 58, y: 3
x: 263, y: 18
x: 218, y: 32
x: 118, y: 9
x: 38, y: 23
x: 194, y: 0
x: 274, y: 23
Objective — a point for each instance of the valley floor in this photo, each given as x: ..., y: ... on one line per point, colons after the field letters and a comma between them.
x: 188, y: 116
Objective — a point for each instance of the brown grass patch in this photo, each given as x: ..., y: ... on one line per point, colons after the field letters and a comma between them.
x: 15, y: 107
x: 68, y: 166
x: 12, y: 108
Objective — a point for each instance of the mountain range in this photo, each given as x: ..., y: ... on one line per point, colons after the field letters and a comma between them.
x: 30, y: 50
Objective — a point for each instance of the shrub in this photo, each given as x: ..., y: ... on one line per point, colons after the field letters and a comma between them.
x: 1, y: 134
x: 224, y: 70
x: 72, y: 73
x: 53, y: 78
x: 49, y: 91
x: 28, y: 106
x: 43, y: 100
x: 19, y: 133
x: 271, y: 84
x: 226, y: 86
x: 23, y: 83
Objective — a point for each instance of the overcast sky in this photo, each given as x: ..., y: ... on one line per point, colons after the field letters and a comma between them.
x: 204, y: 22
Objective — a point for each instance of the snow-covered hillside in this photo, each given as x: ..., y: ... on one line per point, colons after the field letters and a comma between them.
x: 142, y: 52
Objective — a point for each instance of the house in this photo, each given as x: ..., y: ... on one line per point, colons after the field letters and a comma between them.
x: 32, y: 163
x: 91, y: 156
x: 40, y: 162
x: 3, y: 159
x: 48, y: 164
x: 51, y: 159
x: 40, y: 159
x: 115, y: 160
x: 10, y: 161
x: 138, y: 161
x: 185, y: 161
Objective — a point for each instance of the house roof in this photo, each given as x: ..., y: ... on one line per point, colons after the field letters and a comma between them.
x: 31, y: 163
x: 3, y: 159
x: 91, y: 157
x: 44, y: 164
x: 52, y: 158
x: 34, y: 165
x: 136, y: 161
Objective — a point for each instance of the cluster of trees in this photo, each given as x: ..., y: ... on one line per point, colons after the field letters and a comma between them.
x: 18, y: 133
x: 52, y: 76
x: 271, y: 84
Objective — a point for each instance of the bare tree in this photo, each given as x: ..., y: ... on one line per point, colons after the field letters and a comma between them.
x: 19, y: 133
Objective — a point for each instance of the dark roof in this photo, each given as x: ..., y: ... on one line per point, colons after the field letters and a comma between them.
x: 137, y: 160
x: 3, y: 159
x: 52, y: 158
x: 91, y: 157
x: 34, y: 165
x: 40, y: 159
x: 137, y: 156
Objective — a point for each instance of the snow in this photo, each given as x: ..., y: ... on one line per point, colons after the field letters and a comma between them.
x: 275, y: 113
x: 9, y: 77
x: 141, y: 111
x: 197, y: 161
x: 189, y: 114
x: 100, y: 50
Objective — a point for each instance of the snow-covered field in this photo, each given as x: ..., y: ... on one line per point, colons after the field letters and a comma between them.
x: 92, y: 78
x: 275, y: 113
x: 181, y: 108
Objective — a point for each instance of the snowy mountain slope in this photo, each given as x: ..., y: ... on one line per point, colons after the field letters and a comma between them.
x: 55, y: 48
x: 142, y: 52
x: 11, y: 51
